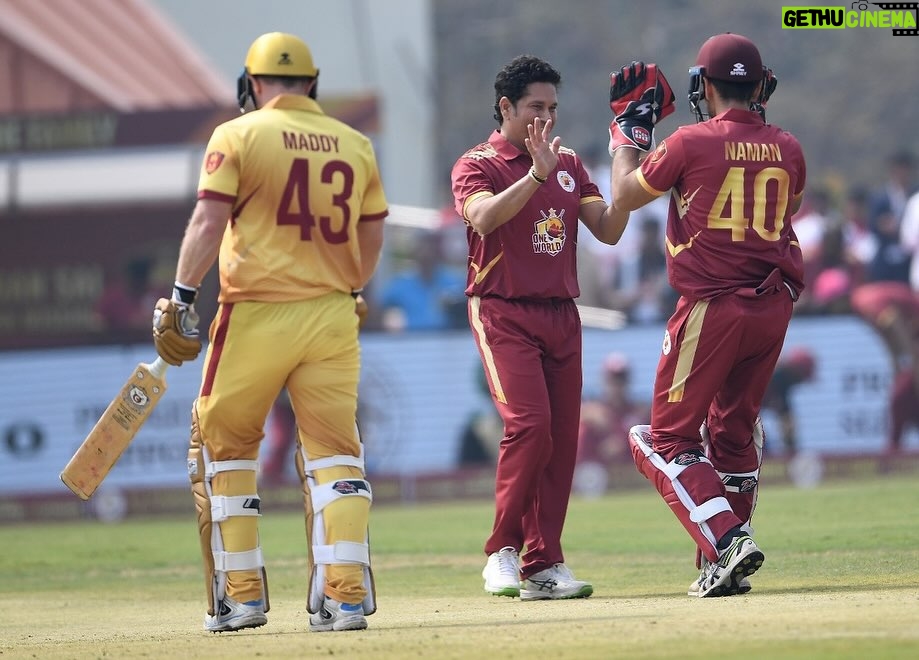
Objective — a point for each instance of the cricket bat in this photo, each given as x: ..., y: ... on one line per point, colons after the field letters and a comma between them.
x: 116, y: 429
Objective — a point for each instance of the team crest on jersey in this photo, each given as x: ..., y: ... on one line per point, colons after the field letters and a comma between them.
x: 549, y: 234
x: 565, y: 180
x: 659, y: 153
x: 667, y: 344
x: 213, y: 161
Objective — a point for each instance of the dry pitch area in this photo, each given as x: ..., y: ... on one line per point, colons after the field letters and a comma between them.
x: 833, y: 625
x: 841, y: 580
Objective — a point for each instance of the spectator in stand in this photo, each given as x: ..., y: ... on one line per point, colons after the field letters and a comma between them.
x: 792, y: 370
x: 640, y: 284
x: 481, y: 436
x: 909, y: 237
x: 891, y: 262
x: 859, y: 244
x: 810, y: 225
x: 828, y: 290
x: 430, y: 296
x: 596, y: 260
x: 605, y: 423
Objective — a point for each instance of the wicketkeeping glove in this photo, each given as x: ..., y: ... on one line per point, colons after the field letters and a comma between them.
x: 639, y: 96
x: 175, y: 331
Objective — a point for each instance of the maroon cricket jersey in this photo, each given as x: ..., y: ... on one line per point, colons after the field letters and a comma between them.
x: 732, y: 180
x: 532, y: 256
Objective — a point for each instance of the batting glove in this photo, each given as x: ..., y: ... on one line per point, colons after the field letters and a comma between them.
x: 639, y: 96
x: 360, y: 306
x: 175, y: 331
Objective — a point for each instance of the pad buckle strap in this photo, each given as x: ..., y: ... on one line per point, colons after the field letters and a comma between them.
x: 342, y: 552
x: 249, y: 560
x: 333, y: 461
x: 212, y: 468
x: 224, y: 506
x: 708, y: 509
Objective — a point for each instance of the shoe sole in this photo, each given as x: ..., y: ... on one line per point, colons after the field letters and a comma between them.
x: 746, y: 567
x: 257, y: 622
x: 742, y: 588
x: 510, y: 592
x: 345, y: 626
x: 584, y: 592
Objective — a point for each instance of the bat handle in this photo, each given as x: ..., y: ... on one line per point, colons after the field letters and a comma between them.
x: 158, y: 367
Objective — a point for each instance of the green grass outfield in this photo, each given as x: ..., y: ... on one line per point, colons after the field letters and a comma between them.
x: 841, y: 580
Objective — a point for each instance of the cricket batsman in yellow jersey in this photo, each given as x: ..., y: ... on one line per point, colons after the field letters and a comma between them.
x: 291, y: 200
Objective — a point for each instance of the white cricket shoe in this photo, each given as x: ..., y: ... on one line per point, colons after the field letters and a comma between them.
x: 555, y: 583
x: 502, y: 573
x: 233, y: 616
x: 743, y: 586
x: 337, y: 616
x: 739, y: 560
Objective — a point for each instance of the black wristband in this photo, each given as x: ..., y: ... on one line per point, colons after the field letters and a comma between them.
x: 183, y: 294
x: 538, y: 179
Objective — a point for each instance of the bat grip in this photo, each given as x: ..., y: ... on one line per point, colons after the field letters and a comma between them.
x: 158, y: 367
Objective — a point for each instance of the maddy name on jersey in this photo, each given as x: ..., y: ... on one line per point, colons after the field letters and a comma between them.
x: 549, y: 232
x: 310, y: 142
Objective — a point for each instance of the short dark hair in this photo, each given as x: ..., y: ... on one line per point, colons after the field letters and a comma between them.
x: 513, y: 79
x: 735, y: 91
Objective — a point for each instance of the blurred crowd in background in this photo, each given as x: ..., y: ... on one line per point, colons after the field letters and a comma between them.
x: 849, y: 235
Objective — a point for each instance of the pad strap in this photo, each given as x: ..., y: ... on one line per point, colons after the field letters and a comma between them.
x: 249, y: 560
x: 224, y: 506
x: 706, y: 510
x: 342, y: 552
x: 213, y: 467
x: 334, y: 461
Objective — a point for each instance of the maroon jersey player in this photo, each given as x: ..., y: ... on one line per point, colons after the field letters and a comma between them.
x: 892, y: 309
x: 521, y: 194
x: 733, y: 258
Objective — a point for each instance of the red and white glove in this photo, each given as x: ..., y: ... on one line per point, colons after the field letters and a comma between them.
x: 639, y: 96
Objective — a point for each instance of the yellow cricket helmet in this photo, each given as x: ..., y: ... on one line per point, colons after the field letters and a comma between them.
x: 275, y: 54
x: 280, y: 54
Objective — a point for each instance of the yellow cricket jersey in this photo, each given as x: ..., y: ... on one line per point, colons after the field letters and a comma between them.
x: 299, y: 182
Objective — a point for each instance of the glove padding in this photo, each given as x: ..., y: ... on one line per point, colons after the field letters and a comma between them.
x: 175, y: 331
x: 769, y: 85
x: 639, y: 96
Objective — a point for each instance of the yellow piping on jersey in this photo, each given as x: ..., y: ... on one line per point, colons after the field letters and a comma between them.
x: 689, y: 345
x: 473, y: 197
x: 482, y: 273
x: 647, y: 186
x: 487, y: 357
x: 674, y: 250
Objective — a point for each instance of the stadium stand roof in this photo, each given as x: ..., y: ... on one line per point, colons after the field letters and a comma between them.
x: 60, y: 56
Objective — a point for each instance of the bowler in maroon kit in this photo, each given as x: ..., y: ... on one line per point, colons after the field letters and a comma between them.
x: 892, y: 309
x: 732, y: 255
x: 522, y: 194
